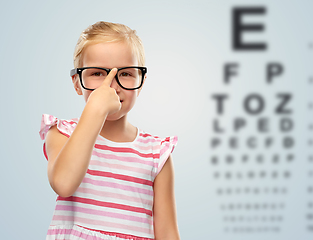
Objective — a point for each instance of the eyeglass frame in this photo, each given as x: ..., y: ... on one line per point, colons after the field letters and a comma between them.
x: 80, y: 70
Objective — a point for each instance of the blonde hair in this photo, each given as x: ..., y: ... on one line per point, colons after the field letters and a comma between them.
x: 108, y: 32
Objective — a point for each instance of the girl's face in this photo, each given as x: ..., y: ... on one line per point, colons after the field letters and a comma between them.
x: 110, y: 55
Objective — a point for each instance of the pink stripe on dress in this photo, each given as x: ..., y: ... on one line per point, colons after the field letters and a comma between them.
x: 119, y: 167
x: 117, y: 185
x: 52, y: 118
x: 115, y: 195
x: 123, y: 158
x: 120, y: 177
x: 103, y: 213
x: 145, y: 148
x: 105, y: 204
x: 126, y: 150
x: 147, y: 140
x: 146, y: 135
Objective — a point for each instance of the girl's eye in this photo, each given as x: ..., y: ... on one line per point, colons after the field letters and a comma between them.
x: 97, y: 74
x: 125, y: 74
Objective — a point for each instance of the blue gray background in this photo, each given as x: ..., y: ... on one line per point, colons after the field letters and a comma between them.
x: 186, y: 43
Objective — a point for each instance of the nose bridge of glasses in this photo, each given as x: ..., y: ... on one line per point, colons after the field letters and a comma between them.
x: 108, y: 70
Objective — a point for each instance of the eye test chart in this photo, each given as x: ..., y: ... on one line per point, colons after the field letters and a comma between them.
x: 260, y: 129
x: 232, y: 79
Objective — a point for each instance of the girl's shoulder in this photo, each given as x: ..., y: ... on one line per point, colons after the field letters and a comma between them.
x: 65, y: 126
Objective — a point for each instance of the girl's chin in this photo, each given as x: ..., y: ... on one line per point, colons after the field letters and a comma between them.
x: 114, y: 117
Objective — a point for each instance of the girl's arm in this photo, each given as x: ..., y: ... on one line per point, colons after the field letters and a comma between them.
x: 164, y: 208
x: 68, y: 159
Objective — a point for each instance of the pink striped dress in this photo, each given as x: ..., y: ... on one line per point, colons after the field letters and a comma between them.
x: 115, y: 199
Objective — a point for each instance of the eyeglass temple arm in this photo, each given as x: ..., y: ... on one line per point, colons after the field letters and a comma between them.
x: 73, y: 72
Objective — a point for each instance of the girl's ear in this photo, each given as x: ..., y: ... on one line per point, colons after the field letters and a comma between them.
x: 144, y: 80
x: 76, y: 83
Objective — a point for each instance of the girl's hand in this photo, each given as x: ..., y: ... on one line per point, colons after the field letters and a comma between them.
x: 105, y: 98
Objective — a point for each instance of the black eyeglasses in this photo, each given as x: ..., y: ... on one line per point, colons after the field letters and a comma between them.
x: 129, y: 78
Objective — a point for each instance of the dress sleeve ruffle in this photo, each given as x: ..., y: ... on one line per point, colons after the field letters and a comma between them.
x: 167, y: 146
x: 65, y: 127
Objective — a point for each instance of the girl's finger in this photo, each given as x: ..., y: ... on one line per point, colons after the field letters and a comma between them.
x: 108, y: 80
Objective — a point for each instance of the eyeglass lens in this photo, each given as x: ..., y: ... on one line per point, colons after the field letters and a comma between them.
x: 128, y: 77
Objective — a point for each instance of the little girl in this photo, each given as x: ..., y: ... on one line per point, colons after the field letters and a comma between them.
x: 113, y: 180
